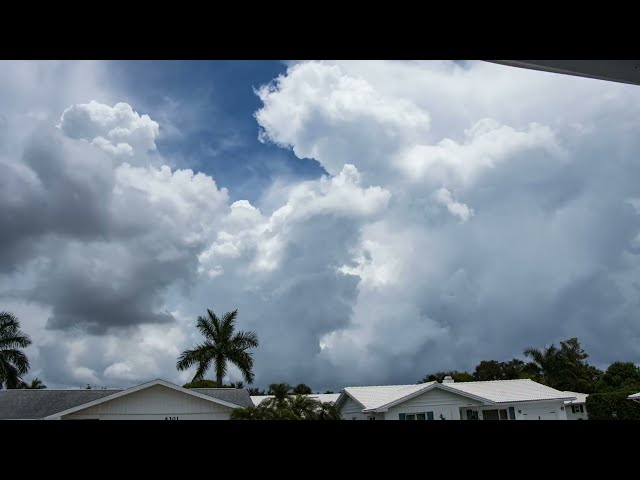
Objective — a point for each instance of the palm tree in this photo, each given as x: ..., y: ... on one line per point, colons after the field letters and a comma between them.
x: 222, y: 344
x: 303, y: 407
x: 13, y: 362
x: 36, y: 384
x: 280, y: 392
x: 327, y: 411
x: 548, y: 362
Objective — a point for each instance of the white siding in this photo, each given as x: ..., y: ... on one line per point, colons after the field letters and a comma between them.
x: 352, y: 410
x: 155, y: 403
x: 542, y: 411
x: 437, y: 401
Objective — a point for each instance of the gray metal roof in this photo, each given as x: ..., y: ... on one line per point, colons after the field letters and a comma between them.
x: 28, y: 404
x: 237, y: 396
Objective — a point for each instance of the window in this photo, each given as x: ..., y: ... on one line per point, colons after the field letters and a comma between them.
x: 502, y: 414
x: 416, y: 416
x: 577, y: 408
x: 472, y: 415
x: 371, y: 418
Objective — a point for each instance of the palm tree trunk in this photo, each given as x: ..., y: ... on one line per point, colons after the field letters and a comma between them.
x: 219, y: 380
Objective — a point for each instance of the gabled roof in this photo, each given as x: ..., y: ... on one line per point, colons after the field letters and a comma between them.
x: 380, y: 398
x: 580, y: 398
x: 510, y: 391
x: 635, y: 396
x: 321, y: 397
x: 138, y: 388
x: 25, y: 404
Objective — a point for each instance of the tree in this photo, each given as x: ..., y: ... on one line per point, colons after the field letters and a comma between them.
x: 256, y: 391
x: 488, y: 370
x: 222, y: 344
x: 564, y: 368
x: 511, y: 370
x: 327, y: 411
x: 36, y: 384
x: 284, y: 405
x: 13, y: 362
x: 280, y: 392
x: 302, y: 389
x: 619, y: 376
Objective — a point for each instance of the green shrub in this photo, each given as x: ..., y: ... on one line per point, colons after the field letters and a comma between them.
x: 612, y: 406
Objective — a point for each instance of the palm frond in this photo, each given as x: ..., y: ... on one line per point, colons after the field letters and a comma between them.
x: 18, y: 359
x: 207, y: 329
x: 245, y: 340
x: 190, y: 357
x: 215, y: 322
x: 228, y: 324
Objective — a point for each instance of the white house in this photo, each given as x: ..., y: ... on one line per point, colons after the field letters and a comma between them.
x: 495, y: 400
x: 635, y: 397
x: 155, y: 400
x: 577, y: 409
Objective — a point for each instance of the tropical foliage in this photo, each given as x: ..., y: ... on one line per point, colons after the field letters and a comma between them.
x: 36, y: 384
x: 286, y: 405
x: 13, y: 362
x: 222, y: 345
x: 613, y: 406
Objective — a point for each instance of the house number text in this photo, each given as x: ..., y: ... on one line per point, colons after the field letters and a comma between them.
x: 171, y: 418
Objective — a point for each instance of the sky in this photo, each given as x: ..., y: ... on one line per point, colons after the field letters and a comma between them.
x: 372, y: 221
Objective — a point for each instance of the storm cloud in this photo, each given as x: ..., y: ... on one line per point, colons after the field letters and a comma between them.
x: 467, y: 212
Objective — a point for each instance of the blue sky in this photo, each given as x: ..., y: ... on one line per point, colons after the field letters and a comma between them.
x: 394, y: 219
x: 219, y: 134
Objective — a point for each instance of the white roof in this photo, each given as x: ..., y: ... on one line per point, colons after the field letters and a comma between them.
x: 321, y: 397
x: 497, y: 391
x: 508, y: 391
x: 580, y: 398
x: 381, y: 395
x: 635, y: 396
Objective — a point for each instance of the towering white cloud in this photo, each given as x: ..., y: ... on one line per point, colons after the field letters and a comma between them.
x: 467, y: 212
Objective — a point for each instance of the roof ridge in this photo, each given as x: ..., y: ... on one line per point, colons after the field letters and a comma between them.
x: 495, y: 381
x: 398, y: 385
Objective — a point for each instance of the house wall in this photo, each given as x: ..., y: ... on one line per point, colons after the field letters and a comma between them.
x: 154, y: 403
x: 438, y: 401
x: 552, y: 410
x: 352, y: 410
x: 578, y: 415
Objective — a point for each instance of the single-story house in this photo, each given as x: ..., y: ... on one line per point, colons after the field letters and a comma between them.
x: 635, y: 397
x: 577, y: 409
x: 155, y: 400
x: 449, y: 400
x: 321, y: 397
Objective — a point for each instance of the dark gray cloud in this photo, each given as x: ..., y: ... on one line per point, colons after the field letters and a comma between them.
x: 368, y: 276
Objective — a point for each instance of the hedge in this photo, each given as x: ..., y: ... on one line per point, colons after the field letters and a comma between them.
x: 612, y: 406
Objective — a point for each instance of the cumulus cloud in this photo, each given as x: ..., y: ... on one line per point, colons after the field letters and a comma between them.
x: 354, y: 119
x: 467, y: 212
x: 117, y: 130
